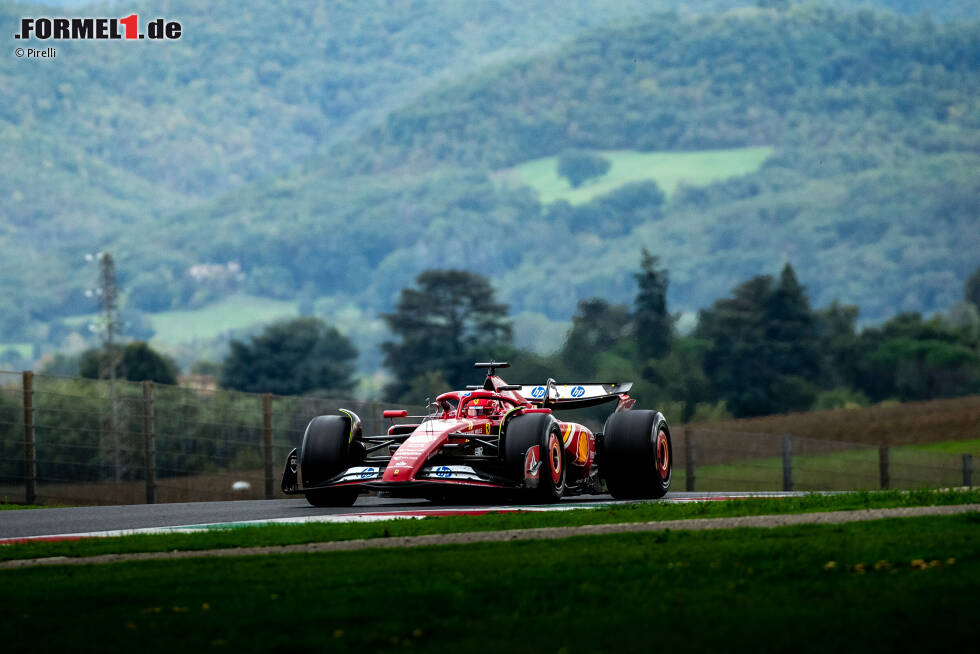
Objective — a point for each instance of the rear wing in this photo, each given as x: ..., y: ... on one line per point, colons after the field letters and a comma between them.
x: 574, y: 396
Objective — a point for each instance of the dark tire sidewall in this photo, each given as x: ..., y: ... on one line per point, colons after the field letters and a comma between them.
x: 325, y: 452
x: 522, y: 433
x: 629, y: 461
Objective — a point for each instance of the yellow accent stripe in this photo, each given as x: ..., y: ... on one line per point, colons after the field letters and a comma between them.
x: 566, y: 432
x: 350, y: 414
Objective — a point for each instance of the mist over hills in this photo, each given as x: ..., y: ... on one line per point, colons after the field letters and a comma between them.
x: 333, y: 152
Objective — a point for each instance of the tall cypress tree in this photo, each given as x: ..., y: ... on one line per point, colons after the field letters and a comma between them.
x: 791, y: 329
x: 653, y: 325
x: 971, y: 289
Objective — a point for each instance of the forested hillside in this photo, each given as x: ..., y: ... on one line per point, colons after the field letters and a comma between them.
x: 807, y: 77
x: 870, y: 191
x: 333, y: 154
x: 114, y: 135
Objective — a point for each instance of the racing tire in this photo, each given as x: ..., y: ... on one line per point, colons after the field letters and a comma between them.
x: 333, y: 497
x: 636, y: 456
x: 523, y: 433
x: 326, y: 451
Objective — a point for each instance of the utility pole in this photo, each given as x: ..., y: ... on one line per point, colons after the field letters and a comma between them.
x: 108, y: 294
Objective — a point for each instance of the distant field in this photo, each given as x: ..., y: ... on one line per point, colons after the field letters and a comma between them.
x: 909, y: 423
x: 911, y: 467
x: 25, y: 350
x: 668, y: 169
x: 234, y: 312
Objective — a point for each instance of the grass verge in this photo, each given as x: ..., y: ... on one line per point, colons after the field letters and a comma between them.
x: 886, y: 585
x: 255, y: 536
x: 911, y: 466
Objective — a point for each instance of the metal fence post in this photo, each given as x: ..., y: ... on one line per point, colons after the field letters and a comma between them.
x: 267, y: 443
x: 30, y: 456
x: 787, y: 462
x: 883, y: 467
x: 689, y: 462
x: 149, y: 447
x: 967, y: 469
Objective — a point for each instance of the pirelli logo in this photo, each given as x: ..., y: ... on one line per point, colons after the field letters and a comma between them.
x: 98, y: 29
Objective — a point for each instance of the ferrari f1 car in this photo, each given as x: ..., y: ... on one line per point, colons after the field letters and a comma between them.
x: 495, y: 436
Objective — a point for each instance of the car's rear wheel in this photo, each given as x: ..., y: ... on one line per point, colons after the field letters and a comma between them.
x: 328, y: 446
x: 541, y: 431
x: 636, y: 457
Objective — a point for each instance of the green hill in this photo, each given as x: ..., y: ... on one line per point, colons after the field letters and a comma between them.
x: 333, y: 153
x: 872, y: 120
x: 112, y: 135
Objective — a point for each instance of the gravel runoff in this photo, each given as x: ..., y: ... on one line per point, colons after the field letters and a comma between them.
x: 826, y: 518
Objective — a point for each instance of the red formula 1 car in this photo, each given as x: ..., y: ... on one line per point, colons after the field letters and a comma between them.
x: 495, y: 436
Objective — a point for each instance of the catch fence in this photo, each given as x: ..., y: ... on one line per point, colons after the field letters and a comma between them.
x: 82, y: 441
x: 717, y: 460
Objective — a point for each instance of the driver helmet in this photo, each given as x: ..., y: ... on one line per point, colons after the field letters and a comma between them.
x: 480, y: 408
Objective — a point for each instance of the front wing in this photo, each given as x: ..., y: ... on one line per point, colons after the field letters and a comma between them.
x: 369, y: 477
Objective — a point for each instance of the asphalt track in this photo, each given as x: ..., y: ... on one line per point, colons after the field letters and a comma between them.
x: 80, y: 520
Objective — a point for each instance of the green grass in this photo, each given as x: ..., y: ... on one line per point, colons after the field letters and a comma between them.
x: 236, y: 311
x: 320, y: 532
x: 25, y: 350
x: 884, y: 586
x: 233, y: 312
x: 668, y: 169
x: 954, y: 448
x: 911, y: 466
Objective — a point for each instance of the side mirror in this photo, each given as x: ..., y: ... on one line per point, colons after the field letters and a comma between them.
x: 395, y: 413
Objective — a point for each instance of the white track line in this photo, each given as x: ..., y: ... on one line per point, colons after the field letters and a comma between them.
x: 372, y: 516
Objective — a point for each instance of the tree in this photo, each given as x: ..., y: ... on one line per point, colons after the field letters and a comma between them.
x: 837, y: 333
x: 579, y: 165
x: 441, y: 325
x: 764, y: 356
x: 790, y: 329
x: 736, y: 362
x: 971, y: 290
x: 136, y: 361
x: 914, y: 359
x: 653, y: 326
x: 151, y: 291
x: 597, y: 326
x: 291, y: 357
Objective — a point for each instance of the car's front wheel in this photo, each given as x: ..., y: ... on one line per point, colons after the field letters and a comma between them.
x: 326, y: 451
x: 524, y: 434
